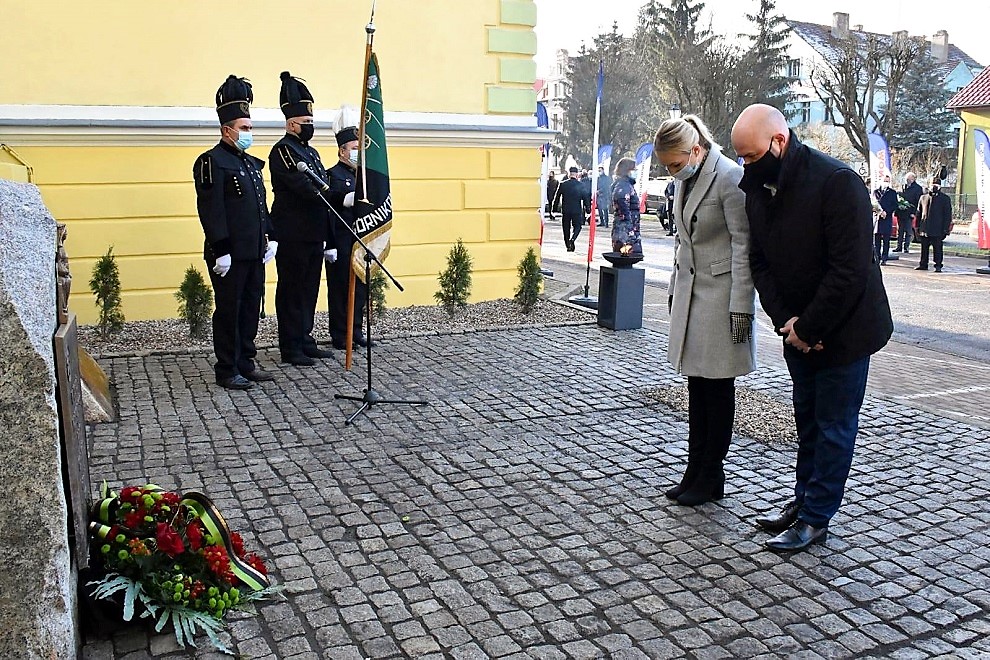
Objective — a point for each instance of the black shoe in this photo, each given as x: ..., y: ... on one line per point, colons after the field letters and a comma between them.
x: 362, y: 342
x: 783, y: 520
x: 921, y: 267
x: 318, y: 353
x: 938, y: 269
x: 703, y: 490
x: 237, y: 382
x: 298, y: 360
x: 798, y: 537
x: 259, y: 376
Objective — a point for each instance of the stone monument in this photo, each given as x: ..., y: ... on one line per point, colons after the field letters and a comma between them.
x: 37, y: 584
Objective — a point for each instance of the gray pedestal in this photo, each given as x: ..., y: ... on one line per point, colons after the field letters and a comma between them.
x: 620, y: 298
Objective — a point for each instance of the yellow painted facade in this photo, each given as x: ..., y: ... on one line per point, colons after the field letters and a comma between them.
x: 130, y: 186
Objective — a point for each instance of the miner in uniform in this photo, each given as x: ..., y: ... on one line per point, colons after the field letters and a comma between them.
x: 303, y: 221
x: 343, y: 182
x: 240, y: 240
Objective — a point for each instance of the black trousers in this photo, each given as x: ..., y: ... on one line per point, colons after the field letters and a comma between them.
x: 571, y: 224
x: 237, y: 298
x: 299, y: 266
x: 935, y: 242
x: 711, y: 410
x: 904, y: 235
x: 338, y: 276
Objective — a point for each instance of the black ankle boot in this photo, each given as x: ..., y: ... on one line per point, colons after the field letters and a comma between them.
x: 686, y: 481
x: 706, y: 488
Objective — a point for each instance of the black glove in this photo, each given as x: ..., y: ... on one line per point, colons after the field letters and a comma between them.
x: 741, y: 326
x: 670, y: 304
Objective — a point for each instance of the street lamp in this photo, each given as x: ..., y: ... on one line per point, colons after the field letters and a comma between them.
x: 675, y: 111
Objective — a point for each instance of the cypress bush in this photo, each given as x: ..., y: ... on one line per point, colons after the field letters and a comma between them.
x: 195, y: 303
x: 105, y: 285
x: 455, y: 280
x: 376, y: 293
x: 530, y: 282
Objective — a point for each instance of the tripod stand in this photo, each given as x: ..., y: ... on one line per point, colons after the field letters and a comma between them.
x: 370, y: 397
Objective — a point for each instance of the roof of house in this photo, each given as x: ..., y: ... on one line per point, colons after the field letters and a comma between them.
x: 820, y: 38
x: 974, y: 95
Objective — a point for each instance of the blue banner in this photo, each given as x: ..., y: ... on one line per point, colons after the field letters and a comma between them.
x: 645, y: 151
x: 879, y: 159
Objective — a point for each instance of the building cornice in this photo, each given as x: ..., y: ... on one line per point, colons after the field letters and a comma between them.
x: 63, y: 125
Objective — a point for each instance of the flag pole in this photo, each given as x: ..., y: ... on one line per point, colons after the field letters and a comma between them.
x: 586, y: 300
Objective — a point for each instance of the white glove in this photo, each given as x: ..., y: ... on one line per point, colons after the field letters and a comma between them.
x: 270, y: 252
x: 222, y: 265
x: 330, y: 255
x: 349, y: 200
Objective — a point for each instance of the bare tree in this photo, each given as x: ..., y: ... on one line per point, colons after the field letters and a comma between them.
x: 863, y: 80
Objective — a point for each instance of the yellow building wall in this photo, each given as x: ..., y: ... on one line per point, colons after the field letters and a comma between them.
x: 141, y: 201
x: 437, y: 56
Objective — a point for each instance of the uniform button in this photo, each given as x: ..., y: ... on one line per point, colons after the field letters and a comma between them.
x: 692, y: 271
x: 694, y: 218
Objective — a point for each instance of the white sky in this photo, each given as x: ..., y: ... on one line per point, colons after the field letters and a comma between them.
x: 566, y: 23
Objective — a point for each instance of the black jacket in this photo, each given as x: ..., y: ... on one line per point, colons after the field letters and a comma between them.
x: 939, y: 217
x: 343, y: 180
x: 230, y: 199
x: 912, y: 193
x: 811, y: 255
x: 574, y: 196
x: 297, y: 211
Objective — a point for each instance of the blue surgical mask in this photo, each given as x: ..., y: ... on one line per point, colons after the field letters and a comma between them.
x: 352, y: 155
x: 244, y: 140
x: 688, y: 171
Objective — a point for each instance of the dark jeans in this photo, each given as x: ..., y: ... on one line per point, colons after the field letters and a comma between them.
x: 904, y: 234
x: 571, y: 224
x: 235, y: 317
x: 881, y: 247
x: 299, y: 265
x: 936, y: 245
x: 826, y: 411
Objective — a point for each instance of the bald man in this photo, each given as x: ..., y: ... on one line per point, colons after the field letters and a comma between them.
x: 811, y: 256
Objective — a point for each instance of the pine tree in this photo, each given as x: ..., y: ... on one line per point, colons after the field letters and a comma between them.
x: 766, y: 58
x: 105, y: 285
x: 530, y: 282
x: 455, y: 280
x: 922, y: 120
x: 195, y: 303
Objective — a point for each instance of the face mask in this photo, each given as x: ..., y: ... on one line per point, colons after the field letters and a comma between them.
x: 244, y: 140
x: 765, y: 170
x: 688, y: 171
x: 352, y: 155
x: 306, y: 132
x: 632, y: 178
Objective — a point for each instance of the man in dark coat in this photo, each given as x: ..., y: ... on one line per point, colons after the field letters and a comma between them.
x: 303, y: 222
x: 343, y: 183
x: 240, y: 240
x: 887, y: 199
x: 552, y: 185
x: 575, y: 204
x: 911, y: 195
x: 604, y: 196
x: 934, y: 226
x: 810, y: 219
x: 668, y: 196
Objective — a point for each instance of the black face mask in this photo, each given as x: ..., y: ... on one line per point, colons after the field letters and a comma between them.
x: 765, y: 170
x: 305, y: 132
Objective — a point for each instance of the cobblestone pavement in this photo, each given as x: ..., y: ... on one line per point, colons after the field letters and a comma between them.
x: 521, y: 513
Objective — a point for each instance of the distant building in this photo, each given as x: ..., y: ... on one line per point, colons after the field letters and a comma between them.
x: 552, y: 89
x: 972, y: 104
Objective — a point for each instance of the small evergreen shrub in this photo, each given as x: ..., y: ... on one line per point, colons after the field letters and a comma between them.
x: 195, y: 303
x: 376, y: 292
x: 455, y: 281
x: 530, y: 282
x: 105, y: 285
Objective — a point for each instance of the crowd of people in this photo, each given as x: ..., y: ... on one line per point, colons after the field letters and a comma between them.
x: 913, y: 214
x: 304, y: 233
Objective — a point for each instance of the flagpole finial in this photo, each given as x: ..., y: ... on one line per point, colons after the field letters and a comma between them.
x: 370, y: 28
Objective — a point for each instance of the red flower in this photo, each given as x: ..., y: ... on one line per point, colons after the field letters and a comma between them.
x: 257, y: 563
x: 168, y: 541
x: 170, y: 498
x: 238, y: 543
x: 134, y: 519
x: 195, y: 536
x: 216, y: 559
x: 131, y: 492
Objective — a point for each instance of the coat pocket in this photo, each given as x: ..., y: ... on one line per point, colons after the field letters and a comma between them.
x: 722, y: 266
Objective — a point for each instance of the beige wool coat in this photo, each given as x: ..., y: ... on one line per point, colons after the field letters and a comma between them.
x: 711, y: 275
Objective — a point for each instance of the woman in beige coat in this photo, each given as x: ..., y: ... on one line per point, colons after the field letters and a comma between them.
x: 711, y: 298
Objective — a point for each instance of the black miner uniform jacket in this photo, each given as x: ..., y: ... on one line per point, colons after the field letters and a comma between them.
x: 297, y: 211
x: 230, y: 198
x: 343, y: 180
x: 811, y: 255
x: 575, y: 196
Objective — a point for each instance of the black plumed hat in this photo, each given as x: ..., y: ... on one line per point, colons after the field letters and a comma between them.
x: 295, y: 99
x: 234, y: 99
x: 345, y: 135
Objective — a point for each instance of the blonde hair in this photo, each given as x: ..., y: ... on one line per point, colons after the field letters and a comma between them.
x: 681, y: 134
x: 624, y: 166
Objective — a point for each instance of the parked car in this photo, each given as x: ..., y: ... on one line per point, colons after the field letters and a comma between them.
x: 656, y: 202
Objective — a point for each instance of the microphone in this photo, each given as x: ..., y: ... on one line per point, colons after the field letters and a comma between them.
x: 320, y: 184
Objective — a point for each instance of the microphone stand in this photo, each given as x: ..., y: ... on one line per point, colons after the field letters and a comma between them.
x: 370, y: 397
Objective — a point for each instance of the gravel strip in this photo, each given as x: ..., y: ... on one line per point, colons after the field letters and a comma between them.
x: 172, y: 335
x: 765, y: 419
